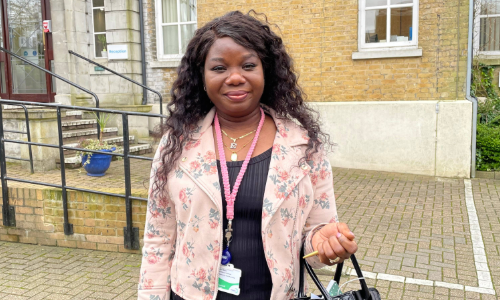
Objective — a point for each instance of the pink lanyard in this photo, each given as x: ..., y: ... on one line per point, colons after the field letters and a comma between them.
x: 231, y: 197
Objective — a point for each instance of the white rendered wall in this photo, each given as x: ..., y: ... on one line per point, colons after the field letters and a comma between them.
x: 401, y: 136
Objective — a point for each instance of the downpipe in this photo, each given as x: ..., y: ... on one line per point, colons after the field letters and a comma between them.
x: 468, y: 87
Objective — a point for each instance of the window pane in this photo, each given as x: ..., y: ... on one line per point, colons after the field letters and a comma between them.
x: 401, y: 1
x: 100, y: 44
x: 188, y: 10
x: 187, y: 32
x: 489, y: 39
x: 370, y: 3
x: 401, y: 24
x: 99, y: 20
x: 169, y: 11
x: 96, y: 3
x: 376, y: 26
x: 170, y: 40
x: 490, y: 7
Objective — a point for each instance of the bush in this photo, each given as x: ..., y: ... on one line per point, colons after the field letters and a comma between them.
x: 488, y: 117
x: 488, y: 147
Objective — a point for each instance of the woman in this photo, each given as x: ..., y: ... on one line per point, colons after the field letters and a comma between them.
x: 240, y: 181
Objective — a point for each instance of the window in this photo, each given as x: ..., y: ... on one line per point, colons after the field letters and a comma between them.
x: 99, y: 20
x: 489, y: 27
x: 387, y: 24
x: 176, y: 23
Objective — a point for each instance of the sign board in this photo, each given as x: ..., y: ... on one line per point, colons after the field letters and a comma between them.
x: 118, y: 51
x: 47, y: 26
x: 96, y: 68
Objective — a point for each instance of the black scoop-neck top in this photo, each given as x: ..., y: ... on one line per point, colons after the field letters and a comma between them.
x: 247, y: 248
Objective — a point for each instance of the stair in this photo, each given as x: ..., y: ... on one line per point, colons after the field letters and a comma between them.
x: 75, y: 128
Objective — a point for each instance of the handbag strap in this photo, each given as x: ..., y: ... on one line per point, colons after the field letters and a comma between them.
x: 301, y: 276
x: 362, y: 282
x: 338, y: 273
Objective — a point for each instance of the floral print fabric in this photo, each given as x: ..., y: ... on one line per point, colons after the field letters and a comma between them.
x: 183, y: 232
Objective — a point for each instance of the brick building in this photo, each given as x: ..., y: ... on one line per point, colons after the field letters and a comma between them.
x: 389, y: 76
x: 390, y: 79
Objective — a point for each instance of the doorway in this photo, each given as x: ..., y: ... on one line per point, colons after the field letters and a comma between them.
x: 22, y: 33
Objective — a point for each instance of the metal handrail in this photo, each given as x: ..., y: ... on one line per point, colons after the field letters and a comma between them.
x: 131, y: 234
x: 122, y: 76
x: 27, y: 132
x: 60, y: 78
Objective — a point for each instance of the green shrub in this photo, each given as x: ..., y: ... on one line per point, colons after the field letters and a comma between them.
x: 488, y: 117
x: 488, y: 147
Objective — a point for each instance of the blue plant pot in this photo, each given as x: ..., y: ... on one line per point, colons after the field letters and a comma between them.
x: 99, y: 163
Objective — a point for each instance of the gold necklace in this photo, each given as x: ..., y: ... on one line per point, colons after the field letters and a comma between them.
x: 234, y: 144
x: 234, y: 155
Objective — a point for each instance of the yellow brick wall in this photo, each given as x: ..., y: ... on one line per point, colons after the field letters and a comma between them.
x: 97, y: 220
x: 321, y: 36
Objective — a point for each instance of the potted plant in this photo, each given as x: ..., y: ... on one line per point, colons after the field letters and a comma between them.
x: 102, y: 40
x: 96, y: 164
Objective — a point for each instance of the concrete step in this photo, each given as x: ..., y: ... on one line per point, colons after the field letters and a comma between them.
x: 73, y: 115
x: 74, y: 162
x: 78, y: 124
x: 115, y: 140
x: 90, y: 133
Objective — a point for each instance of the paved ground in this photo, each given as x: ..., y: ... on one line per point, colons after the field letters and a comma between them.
x: 414, y: 235
x: 113, y: 181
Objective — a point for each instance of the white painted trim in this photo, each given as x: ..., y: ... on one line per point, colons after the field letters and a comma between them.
x: 171, y: 63
x: 387, y: 53
x: 169, y: 59
x: 361, y: 26
x: 96, y: 33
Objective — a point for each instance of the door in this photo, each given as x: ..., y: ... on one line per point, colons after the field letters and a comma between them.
x: 22, y: 33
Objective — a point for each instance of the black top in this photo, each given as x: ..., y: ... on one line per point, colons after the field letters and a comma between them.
x: 246, y: 248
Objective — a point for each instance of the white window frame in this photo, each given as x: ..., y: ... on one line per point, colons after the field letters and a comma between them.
x: 96, y: 33
x: 159, y: 32
x: 477, y: 31
x: 363, y: 46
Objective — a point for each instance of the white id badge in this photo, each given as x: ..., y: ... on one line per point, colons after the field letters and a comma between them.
x: 229, y: 279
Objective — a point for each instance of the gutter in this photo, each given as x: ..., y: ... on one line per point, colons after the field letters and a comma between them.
x: 143, y: 53
x: 468, y: 87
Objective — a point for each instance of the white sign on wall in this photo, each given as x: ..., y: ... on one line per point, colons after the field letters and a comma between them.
x: 118, y: 51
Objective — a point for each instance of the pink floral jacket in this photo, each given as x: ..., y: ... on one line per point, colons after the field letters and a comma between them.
x: 183, y: 237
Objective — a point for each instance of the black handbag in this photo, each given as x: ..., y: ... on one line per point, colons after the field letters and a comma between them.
x: 364, y: 293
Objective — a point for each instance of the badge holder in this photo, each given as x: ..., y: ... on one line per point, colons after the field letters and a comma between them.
x: 229, y: 279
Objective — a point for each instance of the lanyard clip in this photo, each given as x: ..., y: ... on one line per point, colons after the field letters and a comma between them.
x: 229, y: 234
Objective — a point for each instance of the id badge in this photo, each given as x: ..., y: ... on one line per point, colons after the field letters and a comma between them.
x: 229, y: 279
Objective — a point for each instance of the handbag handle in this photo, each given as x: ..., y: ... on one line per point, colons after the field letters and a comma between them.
x: 364, y: 288
x: 362, y: 281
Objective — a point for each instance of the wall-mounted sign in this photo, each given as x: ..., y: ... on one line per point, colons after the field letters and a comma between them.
x: 118, y: 51
x: 96, y: 68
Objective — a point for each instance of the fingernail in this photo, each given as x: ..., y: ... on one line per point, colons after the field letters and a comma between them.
x: 339, y: 235
x: 352, y: 233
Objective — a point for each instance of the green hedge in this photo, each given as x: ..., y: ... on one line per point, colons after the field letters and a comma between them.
x: 488, y: 147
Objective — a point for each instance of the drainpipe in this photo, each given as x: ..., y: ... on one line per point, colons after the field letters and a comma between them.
x: 468, y: 87
x: 143, y: 53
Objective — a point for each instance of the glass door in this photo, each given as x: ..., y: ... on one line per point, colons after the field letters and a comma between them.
x: 23, y: 34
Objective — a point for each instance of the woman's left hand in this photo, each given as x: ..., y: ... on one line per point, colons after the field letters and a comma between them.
x: 333, y: 241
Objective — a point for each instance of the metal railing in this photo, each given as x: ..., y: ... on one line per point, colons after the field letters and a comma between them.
x: 60, y: 78
x: 122, y: 76
x: 28, y: 133
x: 131, y: 234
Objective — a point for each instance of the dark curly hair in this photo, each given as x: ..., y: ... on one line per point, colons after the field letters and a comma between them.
x: 190, y: 103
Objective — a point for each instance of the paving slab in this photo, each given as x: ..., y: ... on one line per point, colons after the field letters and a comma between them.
x: 414, y: 235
